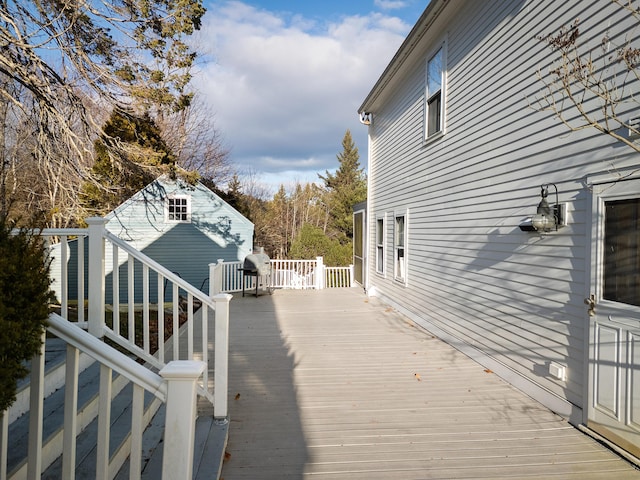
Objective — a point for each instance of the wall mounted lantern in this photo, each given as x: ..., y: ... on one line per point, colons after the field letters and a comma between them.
x: 366, y: 118
x: 547, y: 217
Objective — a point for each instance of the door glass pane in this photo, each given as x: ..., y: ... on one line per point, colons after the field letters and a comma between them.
x: 621, y: 251
x: 358, y: 234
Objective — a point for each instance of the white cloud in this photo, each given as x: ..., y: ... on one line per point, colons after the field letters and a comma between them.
x: 285, y: 90
x: 390, y: 4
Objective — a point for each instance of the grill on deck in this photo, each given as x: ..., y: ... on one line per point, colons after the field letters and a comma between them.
x: 257, y: 265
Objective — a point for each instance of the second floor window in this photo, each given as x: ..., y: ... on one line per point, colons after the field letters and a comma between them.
x: 434, y: 108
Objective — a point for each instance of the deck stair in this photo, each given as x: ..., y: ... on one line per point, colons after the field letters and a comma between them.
x: 101, y: 400
x: 210, y: 437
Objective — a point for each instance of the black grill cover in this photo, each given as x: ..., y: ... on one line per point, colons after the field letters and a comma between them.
x: 258, y: 263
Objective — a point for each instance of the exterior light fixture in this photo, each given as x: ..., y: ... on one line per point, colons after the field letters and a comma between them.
x: 547, y: 217
x: 366, y: 118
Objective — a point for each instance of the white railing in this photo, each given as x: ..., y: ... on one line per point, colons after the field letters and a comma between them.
x: 338, y: 277
x: 285, y: 274
x: 297, y: 274
x: 147, y: 304
x: 165, y: 387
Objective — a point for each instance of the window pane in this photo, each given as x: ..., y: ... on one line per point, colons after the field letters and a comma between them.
x: 434, y: 108
x: 434, y: 74
x: 400, y: 231
x: 622, y: 252
x: 434, y: 93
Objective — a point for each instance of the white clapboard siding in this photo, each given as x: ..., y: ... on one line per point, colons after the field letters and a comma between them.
x: 515, y: 296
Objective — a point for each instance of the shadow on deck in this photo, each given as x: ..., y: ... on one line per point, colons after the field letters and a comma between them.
x: 334, y: 385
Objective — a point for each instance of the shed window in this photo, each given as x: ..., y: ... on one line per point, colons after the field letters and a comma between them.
x: 178, y: 208
x: 434, y: 108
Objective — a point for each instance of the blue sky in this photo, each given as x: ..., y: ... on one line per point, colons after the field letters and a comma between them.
x: 285, y: 78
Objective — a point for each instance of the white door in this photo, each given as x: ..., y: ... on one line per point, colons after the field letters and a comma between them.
x: 614, y: 308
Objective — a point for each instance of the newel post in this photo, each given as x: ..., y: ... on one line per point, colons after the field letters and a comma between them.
x: 96, y: 276
x: 352, y: 277
x: 180, y: 421
x: 221, y: 357
x: 319, y: 273
x: 216, y: 277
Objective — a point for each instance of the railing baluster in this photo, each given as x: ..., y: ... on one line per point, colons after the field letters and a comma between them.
x: 70, y: 413
x: 137, y: 429
x: 160, y: 318
x: 64, y: 277
x: 36, y: 402
x: 4, y: 443
x: 189, y: 326
x: 80, y: 243
x: 131, y: 299
x: 104, y: 424
x: 176, y: 317
x: 205, y: 345
x: 145, y: 308
x: 115, y: 277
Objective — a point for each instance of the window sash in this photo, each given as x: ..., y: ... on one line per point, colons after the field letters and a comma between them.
x: 434, y: 88
x: 400, y: 264
x: 380, y: 245
x: 178, y: 209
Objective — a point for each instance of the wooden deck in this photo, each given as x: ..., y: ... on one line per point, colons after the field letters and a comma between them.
x: 333, y: 385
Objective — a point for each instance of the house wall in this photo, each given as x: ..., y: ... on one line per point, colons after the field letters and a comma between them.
x: 512, y: 299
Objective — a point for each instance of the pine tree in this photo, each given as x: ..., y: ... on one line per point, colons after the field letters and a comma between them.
x: 345, y: 188
x: 129, y: 156
x: 24, y: 305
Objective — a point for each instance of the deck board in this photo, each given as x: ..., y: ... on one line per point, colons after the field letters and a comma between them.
x: 333, y: 385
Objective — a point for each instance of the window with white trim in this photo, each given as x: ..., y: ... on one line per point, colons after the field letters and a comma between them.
x: 434, y: 105
x: 380, y: 245
x: 178, y: 209
x: 399, y: 248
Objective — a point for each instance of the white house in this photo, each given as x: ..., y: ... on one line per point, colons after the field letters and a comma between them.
x: 459, y: 153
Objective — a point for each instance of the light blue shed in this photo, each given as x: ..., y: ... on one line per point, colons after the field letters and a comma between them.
x: 183, y: 227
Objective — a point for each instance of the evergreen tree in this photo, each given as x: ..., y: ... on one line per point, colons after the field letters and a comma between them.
x: 129, y: 156
x: 312, y: 242
x: 24, y: 305
x: 344, y: 188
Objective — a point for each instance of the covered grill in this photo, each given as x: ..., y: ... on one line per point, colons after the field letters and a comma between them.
x: 257, y: 265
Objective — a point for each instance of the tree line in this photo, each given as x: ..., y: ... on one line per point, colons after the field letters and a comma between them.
x: 314, y: 219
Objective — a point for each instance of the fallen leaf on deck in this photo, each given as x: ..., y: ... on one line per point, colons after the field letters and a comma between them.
x: 237, y: 396
x: 227, y: 456
x: 417, y: 375
x: 487, y: 371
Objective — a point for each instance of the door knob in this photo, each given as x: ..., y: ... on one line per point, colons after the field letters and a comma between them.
x: 591, y: 303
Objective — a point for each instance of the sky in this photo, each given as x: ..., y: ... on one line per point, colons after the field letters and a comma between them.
x: 285, y: 78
